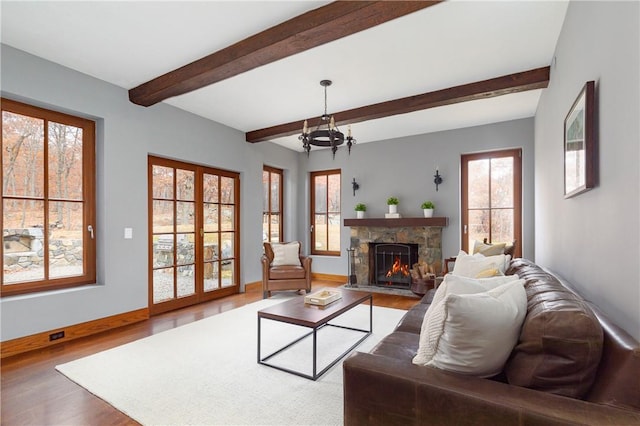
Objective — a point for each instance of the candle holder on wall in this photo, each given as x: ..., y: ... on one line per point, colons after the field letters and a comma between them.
x: 437, y: 178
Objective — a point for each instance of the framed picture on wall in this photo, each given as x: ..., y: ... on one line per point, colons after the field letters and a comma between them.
x: 580, y: 144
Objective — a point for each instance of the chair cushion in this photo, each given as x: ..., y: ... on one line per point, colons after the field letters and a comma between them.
x: 286, y: 254
x: 286, y: 272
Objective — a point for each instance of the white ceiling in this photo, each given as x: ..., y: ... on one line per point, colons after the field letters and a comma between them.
x: 453, y: 43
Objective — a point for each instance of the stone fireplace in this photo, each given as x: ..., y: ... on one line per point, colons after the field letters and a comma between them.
x: 423, y: 233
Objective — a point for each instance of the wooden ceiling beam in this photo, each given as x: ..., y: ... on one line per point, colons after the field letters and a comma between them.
x: 513, y: 83
x: 309, y: 30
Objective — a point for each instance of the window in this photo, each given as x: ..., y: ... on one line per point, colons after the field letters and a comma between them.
x: 492, y: 198
x: 48, y: 199
x: 325, y: 212
x: 272, y: 204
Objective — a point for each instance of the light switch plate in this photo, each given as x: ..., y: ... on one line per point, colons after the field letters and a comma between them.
x: 128, y: 233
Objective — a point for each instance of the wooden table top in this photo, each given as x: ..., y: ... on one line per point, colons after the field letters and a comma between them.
x: 295, y: 311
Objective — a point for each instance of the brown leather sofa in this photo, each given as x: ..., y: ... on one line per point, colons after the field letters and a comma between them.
x: 284, y: 277
x: 572, y: 365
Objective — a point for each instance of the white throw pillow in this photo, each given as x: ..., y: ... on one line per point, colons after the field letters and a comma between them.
x: 286, y: 254
x: 472, y: 265
x: 473, y: 333
x: 455, y: 284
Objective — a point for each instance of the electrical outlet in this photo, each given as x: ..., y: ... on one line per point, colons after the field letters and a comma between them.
x: 56, y: 336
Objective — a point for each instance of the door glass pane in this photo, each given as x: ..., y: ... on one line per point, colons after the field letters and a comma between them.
x: 186, y: 280
x: 162, y: 250
x: 65, y: 161
x: 227, y: 273
x: 186, y: 249
x: 185, y: 217
x: 227, y: 245
x: 162, y: 216
x: 210, y: 217
x: 320, y: 228
x: 226, y: 190
x: 211, y: 276
x: 227, y: 218
x: 185, y: 183
x: 210, y: 188
x: 502, y: 225
x: 478, y: 226
x: 502, y: 182
x: 65, y: 239
x: 162, y: 182
x: 478, y: 180
x: 22, y: 150
x: 23, y: 240
x: 162, y: 285
x: 210, y: 247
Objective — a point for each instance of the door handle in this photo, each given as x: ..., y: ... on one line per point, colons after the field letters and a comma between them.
x: 90, y: 229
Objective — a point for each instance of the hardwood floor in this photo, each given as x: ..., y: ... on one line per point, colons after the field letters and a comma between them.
x: 33, y: 393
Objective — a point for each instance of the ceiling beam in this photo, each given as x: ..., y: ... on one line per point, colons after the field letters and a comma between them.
x: 512, y: 83
x: 311, y: 29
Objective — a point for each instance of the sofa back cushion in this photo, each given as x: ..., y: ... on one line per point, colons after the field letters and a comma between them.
x: 560, y: 343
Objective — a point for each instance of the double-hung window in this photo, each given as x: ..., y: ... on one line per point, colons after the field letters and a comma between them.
x: 48, y: 199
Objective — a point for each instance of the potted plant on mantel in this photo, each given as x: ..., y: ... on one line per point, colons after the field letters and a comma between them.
x: 427, y: 208
x: 360, y: 209
x: 393, y: 202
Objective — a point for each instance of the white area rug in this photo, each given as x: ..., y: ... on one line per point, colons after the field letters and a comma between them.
x: 207, y: 373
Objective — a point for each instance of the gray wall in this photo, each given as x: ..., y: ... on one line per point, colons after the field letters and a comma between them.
x: 593, y: 239
x: 405, y: 167
x: 126, y: 135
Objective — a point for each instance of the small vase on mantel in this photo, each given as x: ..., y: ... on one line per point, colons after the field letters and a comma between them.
x: 393, y: 202
x: 359, y: 214
x: 427, y: 208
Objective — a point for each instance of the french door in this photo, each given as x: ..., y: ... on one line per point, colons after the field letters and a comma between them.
x: 492, y: 198
x: 193, y: 234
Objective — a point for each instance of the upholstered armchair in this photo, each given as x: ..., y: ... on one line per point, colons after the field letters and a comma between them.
x: 284, y: 268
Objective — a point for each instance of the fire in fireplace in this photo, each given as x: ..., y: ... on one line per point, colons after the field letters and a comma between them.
x: 390, y: 264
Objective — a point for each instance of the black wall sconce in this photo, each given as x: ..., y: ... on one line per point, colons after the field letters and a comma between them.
x: 355, y: 186
x: 437, y: 179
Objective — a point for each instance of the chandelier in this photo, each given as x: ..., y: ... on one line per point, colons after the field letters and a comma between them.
x: 326, y: 132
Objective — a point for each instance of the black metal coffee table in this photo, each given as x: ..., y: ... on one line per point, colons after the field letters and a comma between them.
x: 296, y: 312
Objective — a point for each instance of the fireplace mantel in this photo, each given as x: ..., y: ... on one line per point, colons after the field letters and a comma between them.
x: 398, y: 223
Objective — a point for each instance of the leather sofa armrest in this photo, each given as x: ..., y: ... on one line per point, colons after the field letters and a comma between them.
x: 385, y: 390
